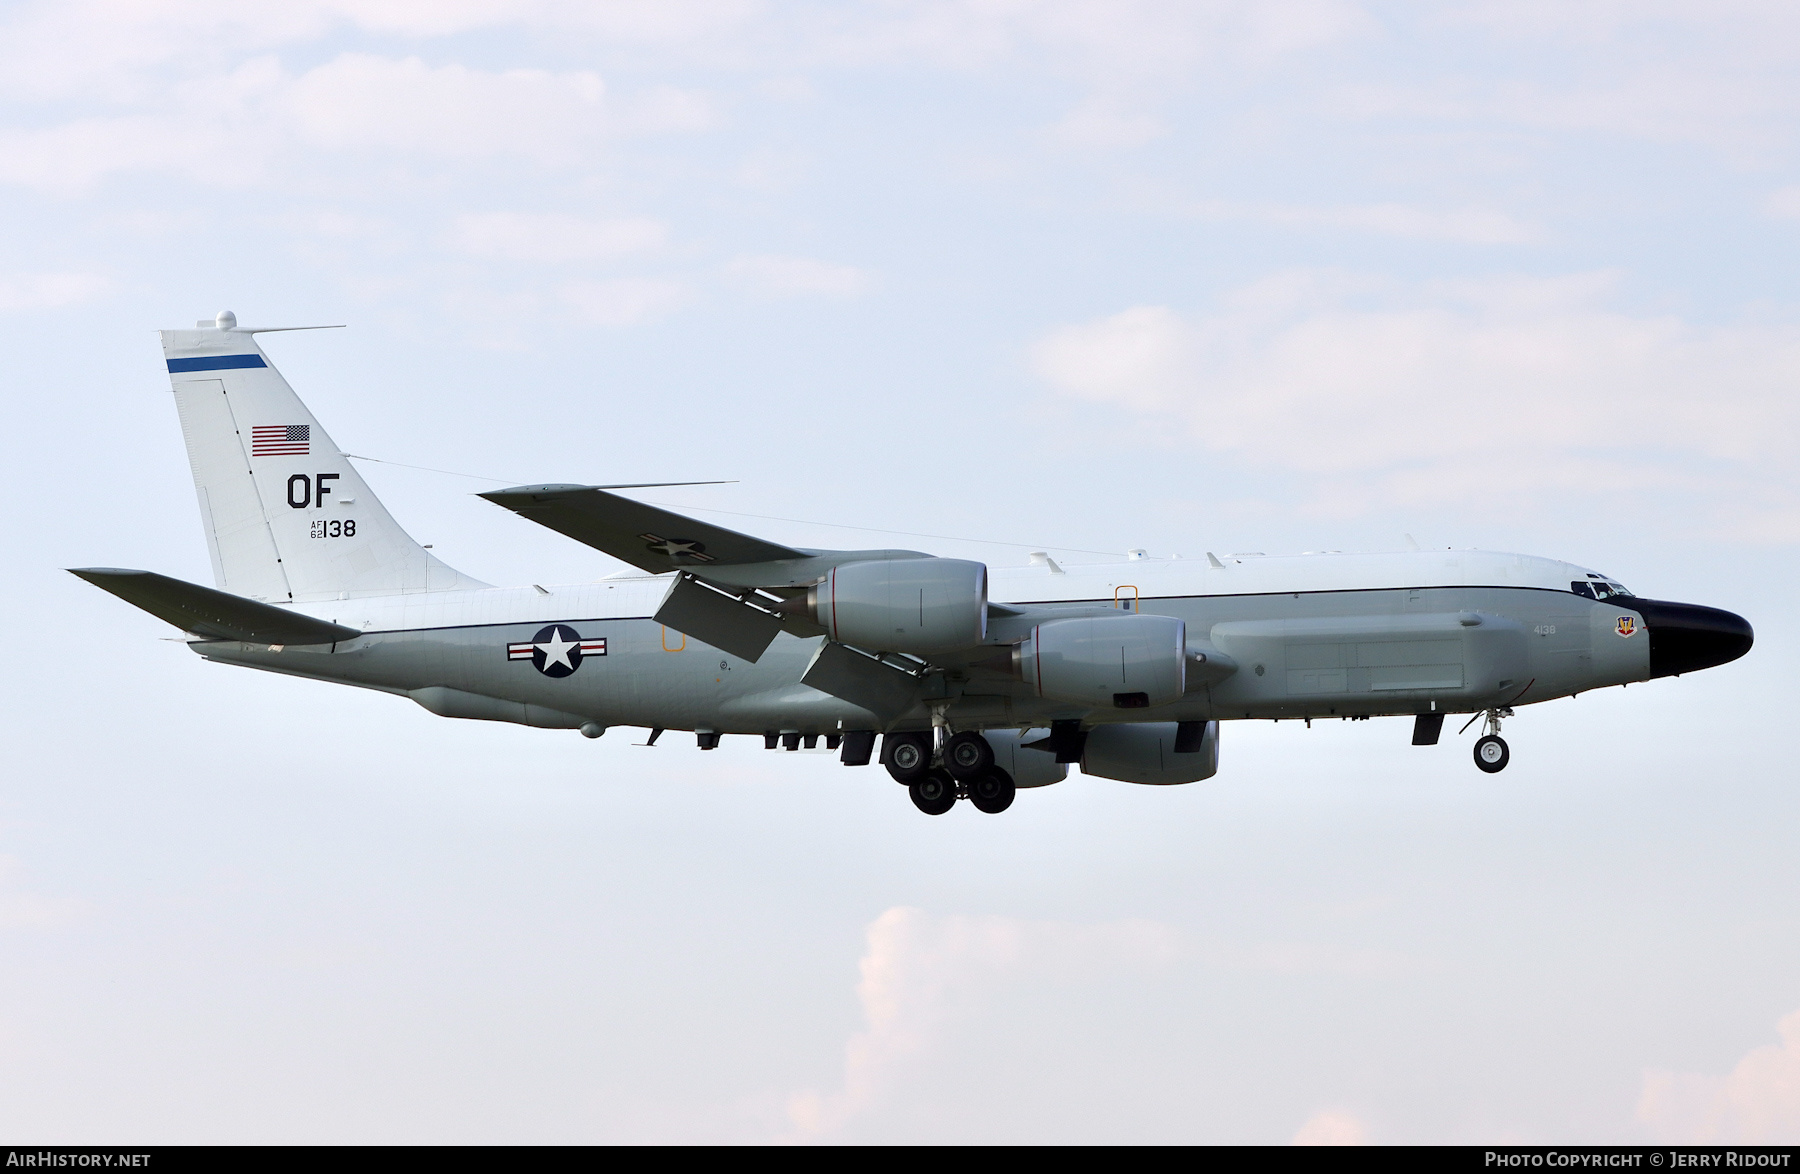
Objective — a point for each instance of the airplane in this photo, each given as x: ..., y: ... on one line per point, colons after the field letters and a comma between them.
x: 977, y: 681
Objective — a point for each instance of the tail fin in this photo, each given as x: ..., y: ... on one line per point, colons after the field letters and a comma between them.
x: 287, y: 518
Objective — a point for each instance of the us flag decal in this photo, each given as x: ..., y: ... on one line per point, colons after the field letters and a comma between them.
x: 280, y: 440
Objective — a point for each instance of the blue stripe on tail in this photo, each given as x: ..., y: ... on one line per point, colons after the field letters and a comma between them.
x: 215, y: 363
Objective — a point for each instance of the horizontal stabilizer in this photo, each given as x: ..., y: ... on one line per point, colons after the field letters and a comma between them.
x: 213, y: 615
x: 720, y: 620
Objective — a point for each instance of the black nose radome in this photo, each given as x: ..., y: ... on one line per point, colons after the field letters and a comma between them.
x: 1685, y: 637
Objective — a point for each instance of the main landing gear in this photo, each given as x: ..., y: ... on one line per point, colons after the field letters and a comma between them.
x: 938, y: 792
x: 967, y: 756
x: 993, y: 792
x: 935, y: 793
x: 1491, y: 753
x: 962, y: 769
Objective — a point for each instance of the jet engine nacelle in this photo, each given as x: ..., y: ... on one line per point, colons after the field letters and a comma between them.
x: 903, y: 605
x: 1125, y: 661
x: 1145, y: 753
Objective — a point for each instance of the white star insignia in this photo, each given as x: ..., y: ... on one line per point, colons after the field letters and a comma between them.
x: 556, y: 650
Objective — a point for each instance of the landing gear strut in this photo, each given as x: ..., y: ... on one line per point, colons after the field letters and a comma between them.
x: 1491, y: 752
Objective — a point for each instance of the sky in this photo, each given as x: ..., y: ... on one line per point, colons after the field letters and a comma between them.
x: 977, y: 277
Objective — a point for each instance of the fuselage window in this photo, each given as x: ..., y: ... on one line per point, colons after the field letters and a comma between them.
x: 1581, y: 587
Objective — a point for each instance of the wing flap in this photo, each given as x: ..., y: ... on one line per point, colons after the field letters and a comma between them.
x: 214, y: 615
x: 720, y: 620
x: 861, y: 680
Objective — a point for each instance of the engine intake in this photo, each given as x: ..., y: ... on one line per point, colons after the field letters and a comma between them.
x: 901, y: 605
x: 1125, y: 661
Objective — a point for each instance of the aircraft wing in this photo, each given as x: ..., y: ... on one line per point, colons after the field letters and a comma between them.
x: 648, y: 538
x: 729, y: 583
x: 657, y: 540
x: 214, y: 615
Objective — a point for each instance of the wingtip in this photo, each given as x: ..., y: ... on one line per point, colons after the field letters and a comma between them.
x: 530, y: 491
x: 85, y: 572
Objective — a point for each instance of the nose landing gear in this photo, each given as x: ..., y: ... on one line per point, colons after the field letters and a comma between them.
x: 1491, y: 752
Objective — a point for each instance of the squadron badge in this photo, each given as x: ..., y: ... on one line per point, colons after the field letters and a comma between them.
x: 556, y: 651
x: 1627, y: 625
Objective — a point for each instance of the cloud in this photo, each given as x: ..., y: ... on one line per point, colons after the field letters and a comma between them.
x: 1294, y: 957
x: 625, y: 301
x: 233, y: 128
x: 49, y: 291
x: 110, y: 50
x: 778, y: 276
x: 364, y: 102
x: 219, y: 129
x: 1373, y: 390
x: 1130, y: 57
x: 27, y: 910
x: 1757, y: 1104
x: 1785, y: 203
x: 1105, y: 122
x: 1109, y: 41
x: 1719, y: 76
x: 361, y: 101
x: 517, y: 236
x: 1332, y: 1127
x: 918, y: 972
x: 1481, y: 226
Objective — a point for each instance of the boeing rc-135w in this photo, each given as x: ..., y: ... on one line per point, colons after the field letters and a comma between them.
x: 977, y: 680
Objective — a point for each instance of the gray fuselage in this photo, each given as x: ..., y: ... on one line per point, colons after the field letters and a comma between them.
x: 1311, y: 636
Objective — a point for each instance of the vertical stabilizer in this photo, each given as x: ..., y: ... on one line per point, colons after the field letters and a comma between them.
x: 287, y: 518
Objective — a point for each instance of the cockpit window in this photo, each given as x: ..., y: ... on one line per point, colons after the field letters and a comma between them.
x: 1595, y: 587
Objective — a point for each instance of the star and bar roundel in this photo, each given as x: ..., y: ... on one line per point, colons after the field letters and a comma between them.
x: 556, y: 651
